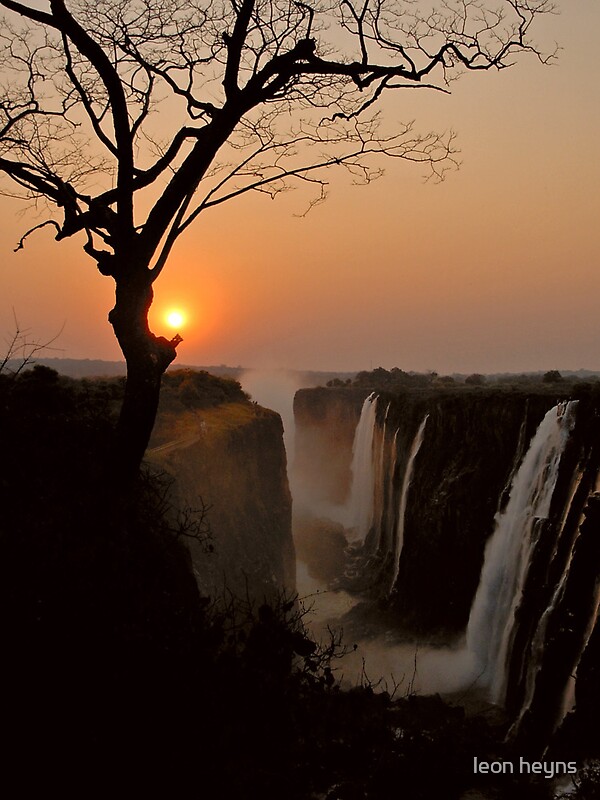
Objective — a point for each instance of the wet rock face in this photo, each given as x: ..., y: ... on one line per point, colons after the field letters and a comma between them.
x: 461, y: 472
x: 231, y: 460
x: 584, y: 720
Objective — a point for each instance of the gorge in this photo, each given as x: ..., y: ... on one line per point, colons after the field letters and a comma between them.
x: 469, y: 522
x: 457, y: 546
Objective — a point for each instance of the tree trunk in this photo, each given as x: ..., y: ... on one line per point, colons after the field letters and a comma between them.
x: 147, y: 357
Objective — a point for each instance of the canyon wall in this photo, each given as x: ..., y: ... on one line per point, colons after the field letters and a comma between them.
x: 471, y: 445
x: 230, y: 460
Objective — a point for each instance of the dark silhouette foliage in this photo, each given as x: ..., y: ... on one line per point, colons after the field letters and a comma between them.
x: 394, y: 379
x: 190, y: 388
x: 475, y: 379
x: 552, y: 376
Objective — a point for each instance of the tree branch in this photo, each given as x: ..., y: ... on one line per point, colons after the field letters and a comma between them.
x: 235, y: 44
x: 94, y: 53
x: 85, y: 101
x: 21, y: 244
x: 246, y: 70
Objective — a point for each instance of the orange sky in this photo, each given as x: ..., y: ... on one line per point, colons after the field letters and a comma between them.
x: 496, y: 269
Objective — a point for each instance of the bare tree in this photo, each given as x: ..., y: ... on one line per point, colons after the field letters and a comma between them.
x: 263, y: 93
x: 21, y: 350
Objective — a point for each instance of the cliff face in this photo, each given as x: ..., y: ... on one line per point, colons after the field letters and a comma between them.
x: 460, y: 480
x: 471, y: 445
x: 231, y: 460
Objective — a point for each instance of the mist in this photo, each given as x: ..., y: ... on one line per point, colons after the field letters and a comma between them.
x: 381, y: 659
x: 275, y: 389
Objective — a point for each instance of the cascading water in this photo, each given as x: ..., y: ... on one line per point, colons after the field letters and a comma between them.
x: 408, y: 473
x: 508, y: 553
x: 360, y: 504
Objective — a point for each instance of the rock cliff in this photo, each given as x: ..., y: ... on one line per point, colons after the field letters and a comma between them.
x: 472, y: 443
x: 230, y: 460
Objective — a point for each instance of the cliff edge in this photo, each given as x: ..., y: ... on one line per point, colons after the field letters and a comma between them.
x: 229, y: 459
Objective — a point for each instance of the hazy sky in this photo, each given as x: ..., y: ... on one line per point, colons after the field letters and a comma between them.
x: 496, y: 269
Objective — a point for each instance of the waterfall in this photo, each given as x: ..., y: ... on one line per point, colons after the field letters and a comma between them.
x: 408, y: 473
x: 509, y: 550
x: 360, y: 503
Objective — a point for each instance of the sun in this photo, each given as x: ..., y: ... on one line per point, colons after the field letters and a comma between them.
x: 175, y: 318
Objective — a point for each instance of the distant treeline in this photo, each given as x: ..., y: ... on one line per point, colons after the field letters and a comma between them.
x: 96, y: 368
x: 181, y: 388
x: 378, y: 378
x: 397, y: 379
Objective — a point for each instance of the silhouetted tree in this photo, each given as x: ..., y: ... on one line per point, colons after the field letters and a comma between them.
x: 475, y: 379
x: 552, y: 376
x: 257, y: 93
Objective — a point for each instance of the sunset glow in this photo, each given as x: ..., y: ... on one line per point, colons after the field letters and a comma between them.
x: 495, y: 269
